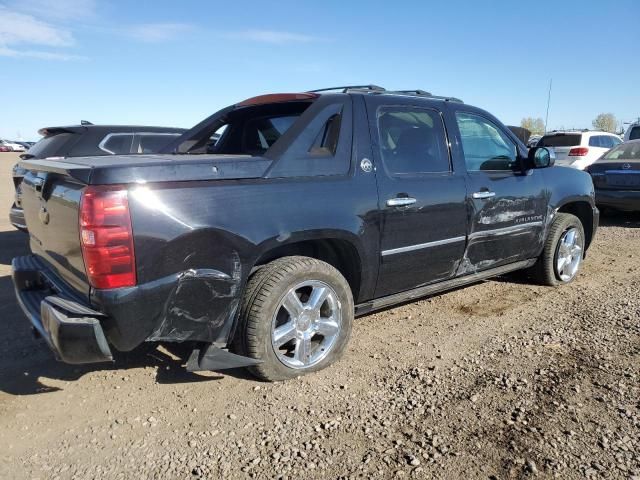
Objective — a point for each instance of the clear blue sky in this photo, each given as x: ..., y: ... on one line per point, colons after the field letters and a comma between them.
x: 175, y: 62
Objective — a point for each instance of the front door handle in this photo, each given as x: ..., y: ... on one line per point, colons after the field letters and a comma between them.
x: 483, y: 194
x: 400, y: 201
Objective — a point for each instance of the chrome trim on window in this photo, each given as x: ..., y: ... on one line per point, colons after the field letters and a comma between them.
x: 107, y: 137
x: 420, y: 246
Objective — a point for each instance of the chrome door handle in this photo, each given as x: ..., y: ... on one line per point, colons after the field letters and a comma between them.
x: 484, y: 194
x: 400, y: 201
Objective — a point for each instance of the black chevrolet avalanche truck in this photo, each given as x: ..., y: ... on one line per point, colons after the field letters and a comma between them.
x: 260, y: 233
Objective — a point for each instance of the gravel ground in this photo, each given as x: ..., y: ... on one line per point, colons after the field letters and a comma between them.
x: 499, y: 380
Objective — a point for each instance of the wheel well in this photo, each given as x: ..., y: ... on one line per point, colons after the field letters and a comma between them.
x: 584, y: 212
x: 340, y: 254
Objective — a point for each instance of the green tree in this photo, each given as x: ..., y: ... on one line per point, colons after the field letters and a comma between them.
x: 534, y: 125
x: 606, y: 122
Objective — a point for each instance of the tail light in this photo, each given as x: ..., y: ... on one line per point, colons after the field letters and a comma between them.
x: 578, y: 152
x: 106, y: 237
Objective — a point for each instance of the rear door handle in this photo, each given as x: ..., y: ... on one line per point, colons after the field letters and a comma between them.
x: 483, y: 194
x: 400, y: 201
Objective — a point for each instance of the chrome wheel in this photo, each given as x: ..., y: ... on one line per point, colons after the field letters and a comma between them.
x: 569, y: 254
x: 306, y: 324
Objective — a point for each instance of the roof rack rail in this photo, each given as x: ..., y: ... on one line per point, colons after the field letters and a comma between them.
x: 375, y: 89
x: 346, y: 88
x: 422, y: 93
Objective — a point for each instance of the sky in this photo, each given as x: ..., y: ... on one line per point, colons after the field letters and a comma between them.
x: 172, y: 63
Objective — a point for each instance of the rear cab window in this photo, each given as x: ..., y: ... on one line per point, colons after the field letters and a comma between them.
x: 249, y: 130
x: 309, y: 135
x: 634, y: 134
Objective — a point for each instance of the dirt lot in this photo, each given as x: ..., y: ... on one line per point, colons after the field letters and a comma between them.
x: 499, y: 380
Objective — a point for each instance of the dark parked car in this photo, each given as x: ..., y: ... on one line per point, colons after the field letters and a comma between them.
x: 616, y: 177
x: 309, y: 208
x: 88, y: 140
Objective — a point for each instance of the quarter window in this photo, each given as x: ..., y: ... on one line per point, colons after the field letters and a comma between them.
x: 412, y: 140
x: 117, y: 143
x: 485, y: 146
x: 598, y: 141
x: 326, y: 142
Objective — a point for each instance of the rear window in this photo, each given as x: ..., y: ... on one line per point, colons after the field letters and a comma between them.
x: 625, y: 151
x: 635, y: 133
x: 560, y: 140
x: 50, y: 145
x: 243, y: 131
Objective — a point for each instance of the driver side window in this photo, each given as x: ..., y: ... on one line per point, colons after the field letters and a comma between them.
x: 485, y: 146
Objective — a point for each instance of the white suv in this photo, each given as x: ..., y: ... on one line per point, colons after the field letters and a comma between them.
x: 633, y: 132
x: 579, y: 148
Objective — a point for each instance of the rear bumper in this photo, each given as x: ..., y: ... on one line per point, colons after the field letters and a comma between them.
x: 16, y: 217
x: 626, y: 200
x: 71, y: 329
x: 76, y: 333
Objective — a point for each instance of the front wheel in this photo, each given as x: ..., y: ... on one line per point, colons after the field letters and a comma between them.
x: 563, y: 251
x: 296, y: 317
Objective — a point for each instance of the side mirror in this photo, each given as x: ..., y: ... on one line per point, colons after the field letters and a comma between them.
x: 541, y: 157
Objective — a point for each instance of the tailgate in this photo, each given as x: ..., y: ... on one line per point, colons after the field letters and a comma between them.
x: 51, y: 202
x: 562, y: 153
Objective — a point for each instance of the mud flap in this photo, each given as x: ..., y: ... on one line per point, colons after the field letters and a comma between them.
x: 214, y: 358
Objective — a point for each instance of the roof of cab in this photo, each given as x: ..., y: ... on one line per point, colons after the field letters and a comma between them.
x: 362, y: 89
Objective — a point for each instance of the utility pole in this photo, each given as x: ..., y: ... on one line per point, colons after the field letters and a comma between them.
x: 546, y: 119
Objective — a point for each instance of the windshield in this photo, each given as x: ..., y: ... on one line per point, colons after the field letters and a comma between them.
x: 560, y: 140
x: 625, y: 151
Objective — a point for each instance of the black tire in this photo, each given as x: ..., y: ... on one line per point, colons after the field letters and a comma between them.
x: 544, y: 271
x: 265, y: 290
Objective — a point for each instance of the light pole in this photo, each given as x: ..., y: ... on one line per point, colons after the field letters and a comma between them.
x: 546, y: 118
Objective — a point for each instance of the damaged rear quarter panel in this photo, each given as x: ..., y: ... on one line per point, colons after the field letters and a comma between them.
x: 196, y: 243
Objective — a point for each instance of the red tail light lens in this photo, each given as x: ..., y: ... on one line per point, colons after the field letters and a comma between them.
x: 106, y: 237
x: 578, y: 152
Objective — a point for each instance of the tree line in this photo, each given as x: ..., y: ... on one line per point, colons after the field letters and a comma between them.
x: 606, y: 122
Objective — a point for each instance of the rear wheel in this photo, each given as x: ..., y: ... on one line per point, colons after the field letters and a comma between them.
x: 563, y: 251
x: 296, y: 317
